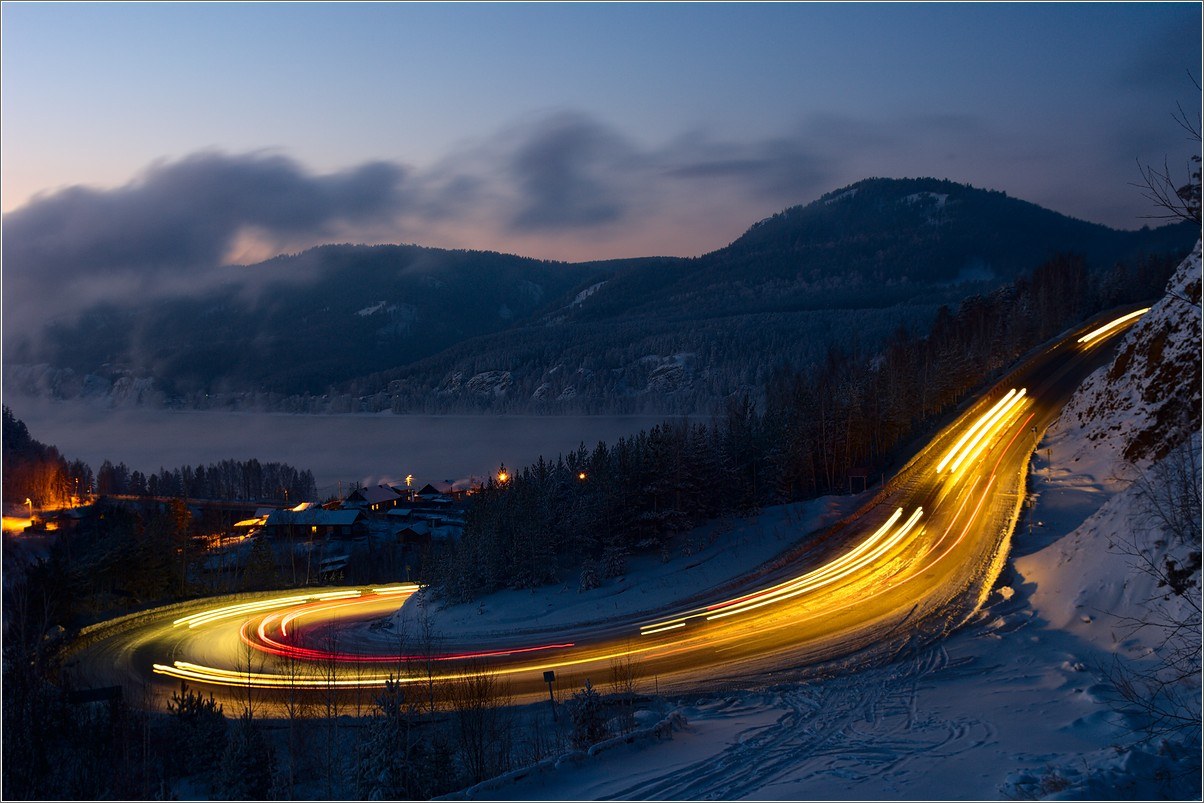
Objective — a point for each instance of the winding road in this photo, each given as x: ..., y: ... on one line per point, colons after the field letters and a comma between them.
x: 908, y: 567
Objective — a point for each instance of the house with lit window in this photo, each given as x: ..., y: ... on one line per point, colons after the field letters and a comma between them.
x: 316, y: 523
x: 377, y: 499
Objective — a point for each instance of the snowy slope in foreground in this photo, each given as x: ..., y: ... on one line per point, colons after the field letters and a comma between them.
x: 1014, y: 706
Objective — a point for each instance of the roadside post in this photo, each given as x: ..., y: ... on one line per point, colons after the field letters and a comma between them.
x: 549, y: 677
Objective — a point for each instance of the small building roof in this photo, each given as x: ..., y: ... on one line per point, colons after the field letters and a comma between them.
x: 315, y: 517
x: 373, y: 495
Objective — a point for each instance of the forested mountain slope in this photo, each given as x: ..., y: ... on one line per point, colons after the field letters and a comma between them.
x: 344, y: 327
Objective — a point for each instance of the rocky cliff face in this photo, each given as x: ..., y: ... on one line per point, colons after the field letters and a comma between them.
x: 1148, y: 400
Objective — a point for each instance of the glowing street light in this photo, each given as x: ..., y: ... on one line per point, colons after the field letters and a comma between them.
x: 581, y: 476
x: 503, y: 475
x: 29, y: 502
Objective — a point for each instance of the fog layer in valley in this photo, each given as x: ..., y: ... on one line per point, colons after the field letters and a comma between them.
x: 337, y: 448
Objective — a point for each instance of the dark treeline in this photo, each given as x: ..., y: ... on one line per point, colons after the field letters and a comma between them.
x: 38, y: 472
x: 581, y: 515
x: 248, y: 480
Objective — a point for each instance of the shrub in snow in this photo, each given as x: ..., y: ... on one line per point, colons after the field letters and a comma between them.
x: 247, y: 764
x: 589, y: 576
x: 391, y: 759
x: 197, y: 730
x: 614, y: 563
x: 589, y: 720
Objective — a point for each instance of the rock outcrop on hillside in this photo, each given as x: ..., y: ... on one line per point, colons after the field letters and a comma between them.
x: 1148, y: 400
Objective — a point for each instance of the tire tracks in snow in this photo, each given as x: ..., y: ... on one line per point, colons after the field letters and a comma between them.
x: 852, y: 727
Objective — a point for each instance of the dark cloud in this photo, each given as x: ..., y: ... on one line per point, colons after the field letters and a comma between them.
x: 781, y: 169
x: 176, y: 222
x: 565, y: 174
x: 572, y: 172
x: 185, y: 214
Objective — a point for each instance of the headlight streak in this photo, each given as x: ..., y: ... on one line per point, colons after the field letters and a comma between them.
x: 1001, y: 419
x: 186, y: 670
x: 270, y: 645
x: 326, y: 606
x: 1107, y: 328
x: 828, y: 575
x: 764, y: 627
x: 663, y: 629
x: 680, y: 620
x: 974, y: 515
x: 971, y: 448
x: 865, y: 553
x: 230, y: 611
x: 832, y: 566
x: 982, y: 419
x: 404, y: 588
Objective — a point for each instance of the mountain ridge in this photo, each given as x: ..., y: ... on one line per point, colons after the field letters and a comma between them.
x: 392, y: 326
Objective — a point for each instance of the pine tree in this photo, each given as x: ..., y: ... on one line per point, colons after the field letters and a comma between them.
x: 248, y: 763
x: 588, y: 717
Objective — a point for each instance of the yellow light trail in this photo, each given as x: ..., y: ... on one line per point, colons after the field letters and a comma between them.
x: 1095, y: 334
x: 995, y: 419
x: 186, y: 670
x: 982, y: 419
x: 230, y: 611
x: 669, y: 624
x: 408, y: 589
x: 404, y: 588
x: 827, y: 575
x: 865, y: 553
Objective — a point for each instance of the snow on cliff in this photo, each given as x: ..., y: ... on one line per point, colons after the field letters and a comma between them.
x: 1148, y: 400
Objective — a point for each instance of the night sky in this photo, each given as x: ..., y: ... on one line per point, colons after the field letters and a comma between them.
x: 186, y: 135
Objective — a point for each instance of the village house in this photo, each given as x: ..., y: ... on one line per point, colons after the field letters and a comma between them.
x: 377, y: 498
x: 416, y: 534
x: 316, y: 522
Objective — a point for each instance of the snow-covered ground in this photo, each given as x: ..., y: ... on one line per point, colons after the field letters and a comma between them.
x: 1016, y: 705
x: 710, y: 557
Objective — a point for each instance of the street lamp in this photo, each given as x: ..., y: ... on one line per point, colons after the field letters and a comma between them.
x: 29, y: 502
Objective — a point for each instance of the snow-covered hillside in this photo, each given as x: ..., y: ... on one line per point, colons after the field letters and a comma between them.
x: 1148, y: 400
x: 1021, y: 703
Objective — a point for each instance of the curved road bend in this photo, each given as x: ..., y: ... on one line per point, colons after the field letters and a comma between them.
x: 911, y: 565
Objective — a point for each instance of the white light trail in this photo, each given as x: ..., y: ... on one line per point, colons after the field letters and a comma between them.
x: 1095, y: 334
